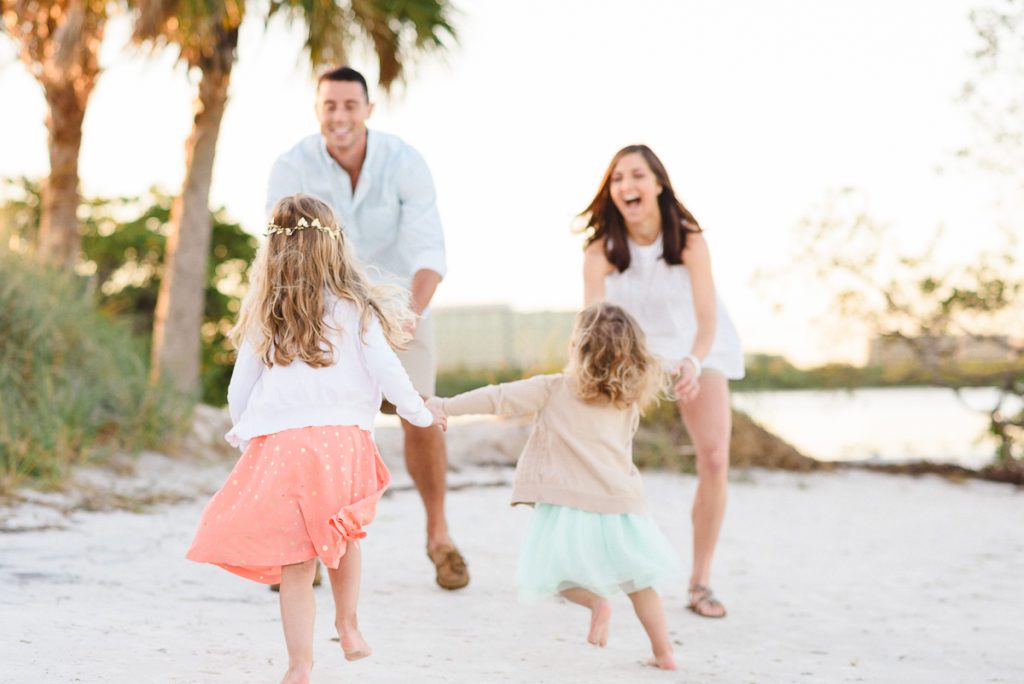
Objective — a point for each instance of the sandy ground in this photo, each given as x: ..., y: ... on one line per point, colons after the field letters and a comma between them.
x: 835, y: 577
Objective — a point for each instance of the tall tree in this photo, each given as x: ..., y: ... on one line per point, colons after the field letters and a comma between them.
x: 59, y: 41
x: 206, y: 35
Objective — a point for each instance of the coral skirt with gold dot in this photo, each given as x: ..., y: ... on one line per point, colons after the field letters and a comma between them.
x: 292, y: 496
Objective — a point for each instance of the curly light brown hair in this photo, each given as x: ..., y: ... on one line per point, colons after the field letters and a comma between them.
x: 292, y: 280
x: 609, y: 359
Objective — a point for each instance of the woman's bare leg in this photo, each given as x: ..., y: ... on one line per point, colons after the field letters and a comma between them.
x: 708, y: 419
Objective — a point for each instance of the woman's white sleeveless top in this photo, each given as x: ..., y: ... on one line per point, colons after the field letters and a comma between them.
x: 660, y: 297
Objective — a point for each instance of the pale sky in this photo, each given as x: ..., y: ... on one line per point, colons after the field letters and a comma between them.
x: 757, y: 109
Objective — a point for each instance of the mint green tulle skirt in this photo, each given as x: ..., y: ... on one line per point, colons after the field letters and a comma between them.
x: 605, y: 553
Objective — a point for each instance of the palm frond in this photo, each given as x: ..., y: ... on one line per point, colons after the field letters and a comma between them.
x: 397, y: 30
x: 204, y: 31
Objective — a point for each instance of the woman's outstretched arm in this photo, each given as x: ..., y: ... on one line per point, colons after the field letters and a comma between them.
x: 595, y: 267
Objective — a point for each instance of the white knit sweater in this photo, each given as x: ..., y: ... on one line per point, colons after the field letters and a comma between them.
x: 267, y: 400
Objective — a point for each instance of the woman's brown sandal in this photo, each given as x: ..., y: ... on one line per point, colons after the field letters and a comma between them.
x: 704, y: 603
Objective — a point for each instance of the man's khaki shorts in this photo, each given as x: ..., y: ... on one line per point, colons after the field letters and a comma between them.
x: 420, y: 362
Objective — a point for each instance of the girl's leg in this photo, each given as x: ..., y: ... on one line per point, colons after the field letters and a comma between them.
x: 345, y: 587
x: 647, y: 605
x: 298, y: 612
x: 708, y: 419
x: 600, y: 613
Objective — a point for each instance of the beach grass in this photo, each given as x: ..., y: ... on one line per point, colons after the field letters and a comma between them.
x: 74, y: 382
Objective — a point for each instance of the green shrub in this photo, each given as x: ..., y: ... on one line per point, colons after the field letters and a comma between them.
x: 123, y: 247
x: 73, y: 383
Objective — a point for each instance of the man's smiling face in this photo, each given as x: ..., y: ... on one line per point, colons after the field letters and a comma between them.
x: 342, y: 108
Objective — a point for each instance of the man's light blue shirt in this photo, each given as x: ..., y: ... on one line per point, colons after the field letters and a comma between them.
x: 391, y: 218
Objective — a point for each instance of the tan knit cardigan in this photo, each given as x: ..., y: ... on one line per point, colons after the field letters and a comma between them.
x: 579, y: 454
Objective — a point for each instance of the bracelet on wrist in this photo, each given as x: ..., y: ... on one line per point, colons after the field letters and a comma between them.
x: 696, y: 363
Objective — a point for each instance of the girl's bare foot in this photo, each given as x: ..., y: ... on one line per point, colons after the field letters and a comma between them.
x: 353, y: 645
x: 665, y: 662
x: 296, y: 675
x: 600, y: 616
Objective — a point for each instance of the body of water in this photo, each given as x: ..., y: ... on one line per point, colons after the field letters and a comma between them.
x: 884, y: 424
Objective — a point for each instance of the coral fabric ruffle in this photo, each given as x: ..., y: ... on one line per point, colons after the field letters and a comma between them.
x: 292, y: 496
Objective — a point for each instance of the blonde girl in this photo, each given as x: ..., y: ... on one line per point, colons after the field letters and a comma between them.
x: 315, y: 353
x: 589, y: 537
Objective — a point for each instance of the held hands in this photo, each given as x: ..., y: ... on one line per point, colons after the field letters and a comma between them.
x: 440, y: 420
x: 687, y: 386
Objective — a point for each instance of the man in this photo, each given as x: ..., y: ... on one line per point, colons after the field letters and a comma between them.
x: 382, y: 192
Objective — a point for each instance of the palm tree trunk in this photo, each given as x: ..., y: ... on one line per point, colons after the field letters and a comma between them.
x: 179, y: 307
x: 60, y: 242
x: 59, y: 44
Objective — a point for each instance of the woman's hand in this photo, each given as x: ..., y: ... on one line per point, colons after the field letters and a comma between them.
x: 687, y: 387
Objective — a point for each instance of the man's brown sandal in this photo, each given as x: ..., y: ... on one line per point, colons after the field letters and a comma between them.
x: 452, y: 572
x: 704, y: 603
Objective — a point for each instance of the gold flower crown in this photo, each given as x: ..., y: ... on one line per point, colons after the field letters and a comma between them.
x: 334, y: 232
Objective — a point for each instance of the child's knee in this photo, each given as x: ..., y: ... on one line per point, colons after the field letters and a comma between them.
x: 300, y: 571
x: 641, y: 595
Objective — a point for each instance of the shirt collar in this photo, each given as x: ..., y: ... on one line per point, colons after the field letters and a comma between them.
x: 365, y: 175
x: 371, y: 149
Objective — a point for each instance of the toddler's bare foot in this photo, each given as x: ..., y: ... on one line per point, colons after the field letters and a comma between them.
x: 600, y: 616
x: 665, y: 661
x: 353, y: 645
x: 296, y: 675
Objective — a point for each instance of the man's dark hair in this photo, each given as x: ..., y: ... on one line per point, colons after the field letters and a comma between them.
x: 344, y: 74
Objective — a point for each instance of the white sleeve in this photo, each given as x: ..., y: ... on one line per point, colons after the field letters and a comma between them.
x: 394, y: 382
x: 247, y: 371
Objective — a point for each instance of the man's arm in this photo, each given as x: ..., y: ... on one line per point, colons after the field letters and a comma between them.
x: 420, y: 234
x: 424, y: 284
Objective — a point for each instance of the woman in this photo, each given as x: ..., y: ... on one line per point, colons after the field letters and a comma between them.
x: 646, y: 252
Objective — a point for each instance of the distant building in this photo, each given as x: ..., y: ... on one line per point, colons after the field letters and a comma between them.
x: 496, y: 336
x: 888, y: 351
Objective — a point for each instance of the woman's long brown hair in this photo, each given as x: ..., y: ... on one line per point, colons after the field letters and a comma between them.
x: 605, y: 222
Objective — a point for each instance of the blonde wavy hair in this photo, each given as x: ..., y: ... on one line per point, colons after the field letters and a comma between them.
x: 609, y: 359
x: 291, y: 281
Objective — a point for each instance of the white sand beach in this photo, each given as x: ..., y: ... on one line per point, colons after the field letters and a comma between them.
x: 830, y: 577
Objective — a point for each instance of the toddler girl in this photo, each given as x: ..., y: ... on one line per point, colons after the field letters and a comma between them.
x: 589, y: 537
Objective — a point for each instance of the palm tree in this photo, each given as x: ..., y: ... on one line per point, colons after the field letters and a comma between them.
x: 206, y: 35
x: 59, y: 41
